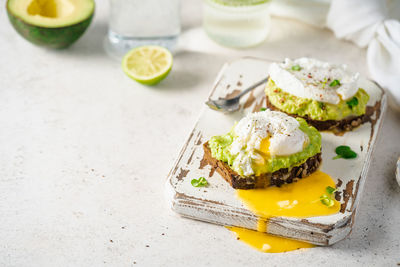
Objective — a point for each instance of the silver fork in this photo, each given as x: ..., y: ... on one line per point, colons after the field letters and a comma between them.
x: 232, y: 104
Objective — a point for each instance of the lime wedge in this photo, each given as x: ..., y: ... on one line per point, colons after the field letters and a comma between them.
x: 147, y: 64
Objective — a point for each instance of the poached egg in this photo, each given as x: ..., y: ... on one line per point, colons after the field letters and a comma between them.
x: 265, y: 134
x: 312, y: 79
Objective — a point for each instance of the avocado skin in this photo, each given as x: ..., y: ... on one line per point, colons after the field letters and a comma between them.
x: 56, y: 38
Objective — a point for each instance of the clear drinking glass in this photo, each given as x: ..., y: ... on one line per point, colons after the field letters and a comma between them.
x: 134, y: 23
x: 237, y: 23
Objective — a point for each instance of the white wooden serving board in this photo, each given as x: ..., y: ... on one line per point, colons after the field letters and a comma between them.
x: 218, y: 204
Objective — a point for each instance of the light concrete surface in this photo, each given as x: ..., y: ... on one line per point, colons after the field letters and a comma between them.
x: 84, y: 153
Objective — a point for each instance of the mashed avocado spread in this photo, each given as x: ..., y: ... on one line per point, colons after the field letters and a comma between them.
x: 314, y: 109
x: 220, y: 149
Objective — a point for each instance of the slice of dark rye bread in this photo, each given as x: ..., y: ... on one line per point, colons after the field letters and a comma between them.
x: 346, y: 124
x: 279, y: 177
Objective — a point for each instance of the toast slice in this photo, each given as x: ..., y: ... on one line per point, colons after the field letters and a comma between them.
x: 279, y: 177
x: 346, y: 124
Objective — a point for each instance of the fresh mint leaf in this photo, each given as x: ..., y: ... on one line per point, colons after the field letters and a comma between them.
x: 334, y: 83
x: 352, y: 102
x: 296, y: 67
x: 349, y: 154
x: 342, y: 149
x: 345, y: 152
x: 199, y: 182
x: 330, y: 190
x: 327, y: 201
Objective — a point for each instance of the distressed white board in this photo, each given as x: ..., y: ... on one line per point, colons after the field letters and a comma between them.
x: 218, y: 204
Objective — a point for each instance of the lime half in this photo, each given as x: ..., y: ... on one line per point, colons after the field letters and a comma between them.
x: 147, y: 64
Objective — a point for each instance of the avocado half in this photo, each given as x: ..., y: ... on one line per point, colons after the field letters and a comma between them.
x: 51, y: 23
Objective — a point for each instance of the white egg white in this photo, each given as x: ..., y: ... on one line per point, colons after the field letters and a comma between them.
x: 312, y: 80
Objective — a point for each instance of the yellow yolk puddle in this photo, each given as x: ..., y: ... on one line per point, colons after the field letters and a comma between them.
x: 299, y: 199
x: 268, y: 243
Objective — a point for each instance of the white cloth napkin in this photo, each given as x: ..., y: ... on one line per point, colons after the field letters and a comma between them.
x: 367, y: 24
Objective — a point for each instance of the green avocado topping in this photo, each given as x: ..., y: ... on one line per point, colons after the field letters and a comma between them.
x: 314, y: 109
x: 220, y: 149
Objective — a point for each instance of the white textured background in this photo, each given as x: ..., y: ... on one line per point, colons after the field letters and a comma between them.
x: 84, y: 153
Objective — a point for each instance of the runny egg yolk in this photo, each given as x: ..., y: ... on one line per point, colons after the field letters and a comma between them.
x: 263, y: 151
x: 299, y: 199
x: 264, y: 146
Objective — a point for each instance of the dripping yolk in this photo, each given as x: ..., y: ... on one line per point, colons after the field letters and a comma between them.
x: 263, y: 152
x: 299, y: 199
x: 268, y: 243
x: 264, y: 146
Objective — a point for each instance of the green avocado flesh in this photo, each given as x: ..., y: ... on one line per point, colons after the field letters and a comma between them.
x: 314, y: 109
x: 50, y: 23
x: 220, y: 149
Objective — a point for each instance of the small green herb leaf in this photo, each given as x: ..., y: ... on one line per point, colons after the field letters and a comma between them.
x: 345, y: 152
x: 342, y: 149
x: 327, y: 201
x: 347, y: 155
x: 263, y: 109
x: 352, y: 102
x: 322, y: 105
x: 330, y: 190
x: 199, y: 182
x: 334, y: 83
x: 350, y: 155
x: 296, y: 67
